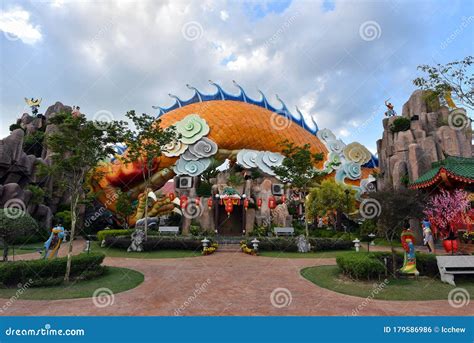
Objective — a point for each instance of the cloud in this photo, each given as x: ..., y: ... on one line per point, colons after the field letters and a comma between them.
x: 15, y: 24
x: 224, y: 15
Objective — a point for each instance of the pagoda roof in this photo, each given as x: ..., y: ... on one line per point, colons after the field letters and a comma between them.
x: 452, y: 168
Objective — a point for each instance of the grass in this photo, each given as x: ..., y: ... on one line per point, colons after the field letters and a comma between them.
x: 116, y: 279
x: 319, y: 254
x: 113, y: 252
x: 423, y: 288
x: 25, y: 248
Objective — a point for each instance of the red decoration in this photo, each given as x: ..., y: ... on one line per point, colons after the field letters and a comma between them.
x: 283, y: 198
x: 246, y: 203
x: 271, y: 203
x: 197, y: 201
x: 229, y: 207
x: 451, y: 246
x: 209, y: 203
x: 171, y: 196
x: 259, y: 203
x: 183, y: 201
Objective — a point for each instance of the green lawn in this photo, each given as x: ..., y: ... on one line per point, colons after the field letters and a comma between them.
x: 113, y: 252
x: 25, y: 248
x: 422, y: 288
x: 319, y: 254
x: 116, y: 279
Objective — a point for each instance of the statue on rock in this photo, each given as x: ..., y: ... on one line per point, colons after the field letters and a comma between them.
x: 52, y: 245
x: 390, y: 111
x: 408, y: 244
x: 34, y: 105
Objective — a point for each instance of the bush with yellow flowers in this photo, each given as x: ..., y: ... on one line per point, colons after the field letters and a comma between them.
x: 245, y: 249
x: 211, y: 249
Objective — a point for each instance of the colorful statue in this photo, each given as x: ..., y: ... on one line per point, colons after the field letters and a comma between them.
x: 34, y: 104
x: 390, y: 112
x: 51, y: 246
x: 408, y: 243
x: 428, y: 236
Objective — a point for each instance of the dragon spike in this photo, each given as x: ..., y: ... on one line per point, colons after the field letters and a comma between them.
x: 264, y: 99
x: 242, y: 92
x: 283, y: 110
x: 220, y: 91
x: 301, y: 116
x: 199, y: 95
x: 178, y: 100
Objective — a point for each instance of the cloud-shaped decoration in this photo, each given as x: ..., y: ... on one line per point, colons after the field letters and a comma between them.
x: 326, y: 135
x: 335, y: 145
x: 352, y: 170
x: 174, y: 148
x: 247, y: 158
x: 267, y: 159
x: 358, y: 153
x: 191, y: 128
x: 192, y: 168
x: 203, y: 148
x: 333, y: 161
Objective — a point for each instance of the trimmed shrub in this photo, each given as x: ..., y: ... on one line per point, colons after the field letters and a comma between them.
x: 103, y: 234
x: 50, y: 272
x: 425, y: 263
x: 323, y: 244
x: 17, y: 226
x: 400, y: 124
x: 156, y: 243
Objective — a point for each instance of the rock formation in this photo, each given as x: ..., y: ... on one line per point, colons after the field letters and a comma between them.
x: 19, y: 168
x: 406, y: 155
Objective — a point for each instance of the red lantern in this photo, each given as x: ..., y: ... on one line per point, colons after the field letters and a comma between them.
x: 283, y: 198
x: 183, y: 201
x: 259, y: 203
x: 197, y: 201
x: 229, y: 207
x: 450, y: 246
x: 171, y: 196
x: 271, y: 203
x: 246, y: 203
x: 209, y: 203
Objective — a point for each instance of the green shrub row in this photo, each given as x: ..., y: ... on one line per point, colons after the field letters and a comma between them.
x: 154, y: 243
x: 372, y: 265
x: 47, y: 272
x: 103, y: 234
x: 289, y: 244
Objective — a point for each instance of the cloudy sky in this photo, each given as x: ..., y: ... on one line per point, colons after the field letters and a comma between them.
x: 336, y: 60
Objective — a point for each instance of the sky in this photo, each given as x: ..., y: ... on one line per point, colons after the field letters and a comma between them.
x: 336, y: 60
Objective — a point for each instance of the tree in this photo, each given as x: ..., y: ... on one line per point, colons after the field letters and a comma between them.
x: 392, y: 209
x: 16, y: 226
x: 454, y: 78
x: 446, y: 210
x: 124, y: 208
x: 328, y: 197
x: 144, y: 146
x: 77, y: 146
x: 298, y: 168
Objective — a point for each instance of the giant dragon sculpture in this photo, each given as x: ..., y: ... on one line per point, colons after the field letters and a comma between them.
x: 235, y: 127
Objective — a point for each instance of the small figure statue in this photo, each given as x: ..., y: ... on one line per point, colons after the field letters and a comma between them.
x: 408, y: 243
x: 302, y: 243
x: 138, y: 237
x: 76, y: 111
x: 390, y: 112
x: 52, y: 245
x: 34, y: 104
x: 428, y: 236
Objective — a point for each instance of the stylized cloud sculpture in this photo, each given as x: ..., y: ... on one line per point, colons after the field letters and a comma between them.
x: 335, y: 145
x: 192, y: 168
x: 192, y: 128
x: 326, y: 135
x: 263, y: 160
x: 358, y: 153
x: 174, y: 148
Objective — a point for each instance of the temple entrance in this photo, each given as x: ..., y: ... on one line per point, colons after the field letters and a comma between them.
x: 230, y: 225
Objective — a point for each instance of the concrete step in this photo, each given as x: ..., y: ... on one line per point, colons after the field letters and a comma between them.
x: 228, y: 248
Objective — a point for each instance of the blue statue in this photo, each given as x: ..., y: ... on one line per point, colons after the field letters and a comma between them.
x: 51, y: 246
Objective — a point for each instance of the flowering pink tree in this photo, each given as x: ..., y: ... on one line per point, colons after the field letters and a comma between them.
x: 446, y: 210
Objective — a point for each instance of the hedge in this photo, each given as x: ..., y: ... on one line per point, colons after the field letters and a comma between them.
x: 156, y: 243
x: 289, y: 244
x: 48, y: 272
x: 372, y: 265
x: 17, y: 226
x: 103, y: 234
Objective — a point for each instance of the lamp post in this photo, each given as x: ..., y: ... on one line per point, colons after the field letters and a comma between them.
x: 356, y: 244
x: 371, y: 237
x: 255, y: 242
x: 205, y: 243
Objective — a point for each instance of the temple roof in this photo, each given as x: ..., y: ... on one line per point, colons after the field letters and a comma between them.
x: 458, y: 169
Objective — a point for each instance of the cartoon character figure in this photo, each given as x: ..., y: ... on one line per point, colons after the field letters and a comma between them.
x: 34, y: 104
x: 408, y: 243
x: 76, y: 111
x: 53, y: 243
x: 390, y: 112
x: 428, y: 235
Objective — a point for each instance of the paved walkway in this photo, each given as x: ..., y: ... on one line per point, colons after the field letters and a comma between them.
x: 229, y: 284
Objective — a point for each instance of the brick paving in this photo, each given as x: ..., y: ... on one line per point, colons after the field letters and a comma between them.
x: 228, y: 284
